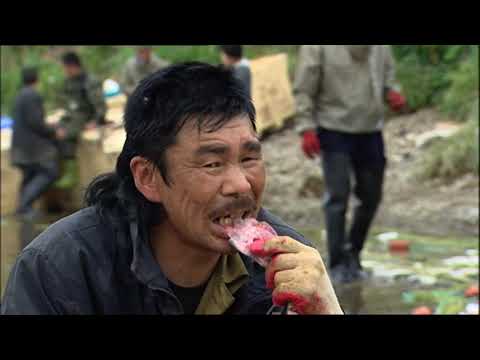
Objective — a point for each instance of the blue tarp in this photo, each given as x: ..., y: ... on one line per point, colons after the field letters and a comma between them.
x: 6, y: 122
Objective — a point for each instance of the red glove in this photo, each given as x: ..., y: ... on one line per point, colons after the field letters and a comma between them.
x: 311, y: 144
x: 396, y: 100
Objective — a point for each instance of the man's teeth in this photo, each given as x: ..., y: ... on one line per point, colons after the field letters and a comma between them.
x: 226, y: 221
x: 229, y: 221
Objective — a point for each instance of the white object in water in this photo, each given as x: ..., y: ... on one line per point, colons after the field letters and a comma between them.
x: 423, y: 279
x: 471, y: 252
x: 385, y: 237
x: 472, y: 309
x: 462, y: 260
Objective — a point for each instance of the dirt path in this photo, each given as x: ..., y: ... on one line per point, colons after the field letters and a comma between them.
x: 295, y: 185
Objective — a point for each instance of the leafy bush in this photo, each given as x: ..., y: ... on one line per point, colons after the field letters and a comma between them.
x: 426, y: 73
x: 103, y: 61
x: 463, y: 88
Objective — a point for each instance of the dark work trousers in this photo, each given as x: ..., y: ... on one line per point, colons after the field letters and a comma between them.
x: 360, y: 157
x: 37, y: 178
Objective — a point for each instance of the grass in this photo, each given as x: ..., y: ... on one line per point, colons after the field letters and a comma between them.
x: 454, y: 156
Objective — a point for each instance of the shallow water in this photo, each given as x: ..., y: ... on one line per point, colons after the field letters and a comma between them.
x: 377, y: 295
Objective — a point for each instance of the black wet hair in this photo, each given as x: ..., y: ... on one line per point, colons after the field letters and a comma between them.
x: 29, y: 76
x: 71, y: 58
x: 157, y: 110
x: 234, y: 51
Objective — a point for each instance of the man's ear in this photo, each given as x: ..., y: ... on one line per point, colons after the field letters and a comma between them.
x: 147, y: 178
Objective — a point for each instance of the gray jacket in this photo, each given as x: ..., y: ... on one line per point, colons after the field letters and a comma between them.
x: 33, y: 142
x: 134, y: 72
x: 338, y: 92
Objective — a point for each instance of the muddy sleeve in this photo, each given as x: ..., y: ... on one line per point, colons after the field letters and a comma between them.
x: 308, y: 77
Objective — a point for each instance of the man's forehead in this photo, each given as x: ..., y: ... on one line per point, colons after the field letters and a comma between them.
x: 237, y: 127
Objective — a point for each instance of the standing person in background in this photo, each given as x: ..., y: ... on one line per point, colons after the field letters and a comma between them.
x: 232, y: 57
x: 137, y: 68
x: 34, y: 149
x: 340, y: 92
x: 83, y: 102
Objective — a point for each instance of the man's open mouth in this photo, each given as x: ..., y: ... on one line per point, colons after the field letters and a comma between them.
x: 230, y: 219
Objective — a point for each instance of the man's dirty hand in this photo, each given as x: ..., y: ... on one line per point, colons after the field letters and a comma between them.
x: 297, y: 276
x: 310, y: 144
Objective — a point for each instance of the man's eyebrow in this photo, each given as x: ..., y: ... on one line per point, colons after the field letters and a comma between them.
x: 217, y: 149
x: 254, y: 146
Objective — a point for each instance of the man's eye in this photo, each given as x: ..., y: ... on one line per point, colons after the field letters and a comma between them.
x: 212, y: 165
x: 249, y: 159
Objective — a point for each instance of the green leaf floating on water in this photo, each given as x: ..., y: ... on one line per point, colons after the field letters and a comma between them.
x: 431, y: 297
x: 408, y: 297
x: 451, y: 306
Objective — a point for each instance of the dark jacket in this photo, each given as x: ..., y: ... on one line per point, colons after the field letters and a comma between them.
x: 242, y: 72
x: 83, y: 101
x: 81, y: 265
x: 33, y: 142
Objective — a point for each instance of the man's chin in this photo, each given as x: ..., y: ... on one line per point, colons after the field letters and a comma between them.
x: 224, y: 247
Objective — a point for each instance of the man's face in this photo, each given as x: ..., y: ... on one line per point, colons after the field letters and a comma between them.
x: 144, y: 55
x: 226, y: 60
x: 70, y: 70
x: 215, y: 178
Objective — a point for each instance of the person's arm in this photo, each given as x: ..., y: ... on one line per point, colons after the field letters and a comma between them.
x: 389, y: 69
x: 395, y: 99
x: 33, y: 287
x: 308, y: 77
x: 34, y: 117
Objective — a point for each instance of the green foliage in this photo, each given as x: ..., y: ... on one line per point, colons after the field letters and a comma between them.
x: 426, y: 73
x: 463, y: 88
x: 104, y: 62
x: 447, y: 302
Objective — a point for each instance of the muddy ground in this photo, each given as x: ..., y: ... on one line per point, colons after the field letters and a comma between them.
x: 295, y: 184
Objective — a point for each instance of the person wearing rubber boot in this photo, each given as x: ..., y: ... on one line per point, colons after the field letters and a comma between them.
x: 163, y: 233
x: 340, y: 92
x: 34, y: 145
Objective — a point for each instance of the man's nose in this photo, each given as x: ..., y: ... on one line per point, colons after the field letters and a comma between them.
x: 236, y: 182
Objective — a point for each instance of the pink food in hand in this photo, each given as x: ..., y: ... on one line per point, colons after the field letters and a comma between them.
x: 246, y: 232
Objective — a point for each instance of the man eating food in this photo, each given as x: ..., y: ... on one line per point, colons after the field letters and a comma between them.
x: 163, y: 234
